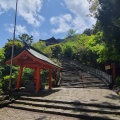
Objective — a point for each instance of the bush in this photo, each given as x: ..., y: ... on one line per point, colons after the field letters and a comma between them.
x: 5, y: 82
x: 68, y: 52
x: 44, y: 77
x: 27, y: 76
x: 117, y: 81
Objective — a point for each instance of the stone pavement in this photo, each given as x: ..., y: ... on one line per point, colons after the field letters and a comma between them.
x: 82, y: 95
x: 14, y: 114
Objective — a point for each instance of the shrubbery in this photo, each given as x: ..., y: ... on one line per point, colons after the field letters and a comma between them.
x: 117, y: 81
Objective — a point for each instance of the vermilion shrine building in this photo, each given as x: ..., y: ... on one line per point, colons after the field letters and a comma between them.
x: 31, y: 58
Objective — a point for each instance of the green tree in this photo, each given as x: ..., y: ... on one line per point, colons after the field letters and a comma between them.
x: 108, y: 17
x: 2, y: 56
x: 48, y: 51
x: 1, y: 67
x: 88, y: 31
x: 56, y: 50
x: 98, y: 47
x: 26, y: 39
x: 68, y: 52
x: 39, y: 46
x: 8, y: 48
x: 70, y: 33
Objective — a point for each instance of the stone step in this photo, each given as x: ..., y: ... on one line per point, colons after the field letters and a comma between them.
x: 83, y: 82
x: 72, y: 72
x: 83, y: 79
x: 76, y: 81
x: 83, y: 86
x: 4, y: 103
x: 48, y: 100
x: 70, y: 78
x: 73, y: 79
x: 71, y: 110
x: 69, y: 107
x: 69, y: 75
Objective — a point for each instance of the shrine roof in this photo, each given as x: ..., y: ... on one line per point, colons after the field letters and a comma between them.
x: 37, y: 54
x: 40, y: 56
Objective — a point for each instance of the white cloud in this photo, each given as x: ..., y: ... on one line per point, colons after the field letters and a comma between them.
x: 28, y: 9
x: 78, y: 7
x: 19, y: 29
x: 78, y: 20
x: 1, y: 12
x: 62, y: 23
x: 36, y: 35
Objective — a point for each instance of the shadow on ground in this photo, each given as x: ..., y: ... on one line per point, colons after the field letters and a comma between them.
x: 101, y: 108
x: 41, y: 118
x: 113, y: 97
x: 41, y: 93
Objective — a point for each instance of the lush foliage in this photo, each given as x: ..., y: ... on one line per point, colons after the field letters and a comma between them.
x: 26, y: 39
x: 39, y: 45
x: 70, y: 33
x: 8, y: 48
x: 108, y: 21
x: 117, y: 81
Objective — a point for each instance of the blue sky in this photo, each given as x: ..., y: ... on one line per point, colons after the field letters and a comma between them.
x: 43, y: 18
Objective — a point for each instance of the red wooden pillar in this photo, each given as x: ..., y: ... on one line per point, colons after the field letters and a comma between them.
x: 50, y: 78
x: 19, y: 78
x: 35, y: 74
x: 37, y: 79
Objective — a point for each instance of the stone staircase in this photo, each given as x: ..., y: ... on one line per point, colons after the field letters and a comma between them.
x: 85, y: 111
x: 74, y: 77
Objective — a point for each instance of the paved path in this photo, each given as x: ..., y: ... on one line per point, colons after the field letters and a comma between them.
x: 102, y: 96
x: 14, y: 114
x: 83, y: 95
